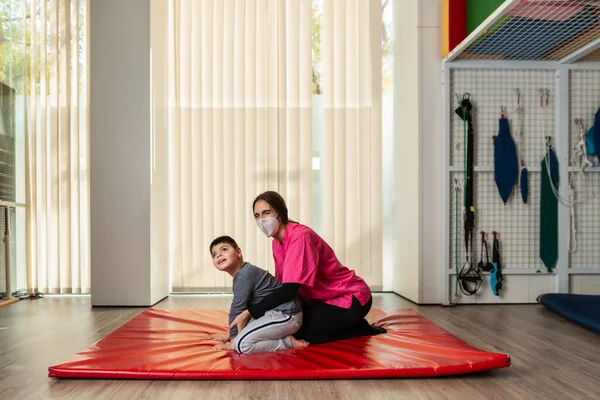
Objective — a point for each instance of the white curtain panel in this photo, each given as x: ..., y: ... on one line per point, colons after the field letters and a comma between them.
x: 56, y: 145
x: 240, y: 123
x: 352, y: 163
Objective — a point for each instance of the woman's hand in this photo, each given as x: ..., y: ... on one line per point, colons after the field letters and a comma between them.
x: 241, y: 321
x: 220, y: 337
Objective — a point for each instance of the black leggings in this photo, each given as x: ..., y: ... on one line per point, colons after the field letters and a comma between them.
x: 323, y: 322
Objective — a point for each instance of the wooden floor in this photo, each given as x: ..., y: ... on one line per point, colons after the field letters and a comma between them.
x: 552, y: 358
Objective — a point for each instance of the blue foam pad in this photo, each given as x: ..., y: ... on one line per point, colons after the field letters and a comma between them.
x: 581, y: 309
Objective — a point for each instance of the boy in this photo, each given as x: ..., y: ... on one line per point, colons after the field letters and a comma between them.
x: 271, y: 332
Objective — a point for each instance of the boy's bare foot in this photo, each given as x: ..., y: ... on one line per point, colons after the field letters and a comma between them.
x: 223, y: 346
x: 220, y: 337
x: 298, y: 344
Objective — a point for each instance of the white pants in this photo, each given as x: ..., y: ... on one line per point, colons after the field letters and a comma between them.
x: 268, y: 333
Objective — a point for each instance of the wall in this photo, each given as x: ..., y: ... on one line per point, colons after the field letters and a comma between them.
x: 159, y: 178
x: 419, y: 145
x: 432, y: 152
x: 120, y: 156
x: 407, y: 127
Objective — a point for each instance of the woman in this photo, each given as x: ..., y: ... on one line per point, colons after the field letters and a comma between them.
x: 335, y: 299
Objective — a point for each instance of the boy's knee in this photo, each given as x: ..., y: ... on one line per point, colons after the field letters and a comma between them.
x: 242, y: 346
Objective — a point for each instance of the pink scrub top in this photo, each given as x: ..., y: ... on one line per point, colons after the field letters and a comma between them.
x: 304, y: 257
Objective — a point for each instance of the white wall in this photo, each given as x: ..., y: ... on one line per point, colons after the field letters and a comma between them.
x: 407, y: 129
x: 159, y: 179
x: 432, y: 153
x: 419, y: 148
x: 120, y: 156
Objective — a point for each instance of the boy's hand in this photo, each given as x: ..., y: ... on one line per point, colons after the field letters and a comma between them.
x: 223, y: 346
x: 220, y: 337
x: 241, y: 320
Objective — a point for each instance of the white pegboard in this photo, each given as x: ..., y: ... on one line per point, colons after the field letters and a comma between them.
x: 490, y: 89
x: 584, y: 101
x: 517, y: 224
x: 584, y: 246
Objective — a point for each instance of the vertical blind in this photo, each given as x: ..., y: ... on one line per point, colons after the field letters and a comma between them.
x: 240, y: 123
x: 352, y: 159
x: 56, y: 146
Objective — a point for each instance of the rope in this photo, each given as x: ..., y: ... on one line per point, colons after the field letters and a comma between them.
x: 580, y: 161
x: 561, y: 199
x: 520, y: 126
x: 573, y: 237
x: 580, y: 158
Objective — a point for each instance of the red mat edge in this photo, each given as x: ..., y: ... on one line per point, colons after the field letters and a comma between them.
x: 283, y: 375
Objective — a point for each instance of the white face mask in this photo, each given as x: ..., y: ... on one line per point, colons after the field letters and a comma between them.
x: 268, y: 225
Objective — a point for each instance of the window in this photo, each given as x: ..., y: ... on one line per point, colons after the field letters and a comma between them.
x: 387, y: 101
x: 43, y: 62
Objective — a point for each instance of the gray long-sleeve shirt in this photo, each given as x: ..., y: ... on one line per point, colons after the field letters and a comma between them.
x: 251, y: 285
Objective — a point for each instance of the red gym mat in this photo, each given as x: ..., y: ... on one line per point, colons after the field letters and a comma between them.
x: 175, y: 344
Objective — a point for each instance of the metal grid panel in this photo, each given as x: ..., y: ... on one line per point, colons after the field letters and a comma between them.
x: 536, y: 30
x: 584, y: 100
x: 492, y: 88
x: 587, y: 223
x: 517, y: 224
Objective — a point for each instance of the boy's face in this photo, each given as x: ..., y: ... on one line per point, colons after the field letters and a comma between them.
x: 224, y: 256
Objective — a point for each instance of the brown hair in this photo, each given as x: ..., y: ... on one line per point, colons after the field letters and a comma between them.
x: 275, y: 200
x: 223, y: 239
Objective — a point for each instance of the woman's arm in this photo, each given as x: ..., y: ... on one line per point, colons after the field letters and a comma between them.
x: 285, y: 293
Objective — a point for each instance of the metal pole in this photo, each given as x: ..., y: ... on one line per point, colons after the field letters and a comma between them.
x: 7, y: 250
x: 562, y: 152
x: 448, y: 98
